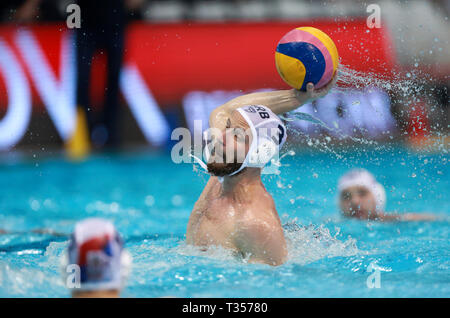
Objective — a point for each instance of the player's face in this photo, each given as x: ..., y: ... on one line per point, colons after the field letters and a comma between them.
x: 358, y: 202
x: 231, y: 148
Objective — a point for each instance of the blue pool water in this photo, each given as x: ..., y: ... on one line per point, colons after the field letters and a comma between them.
x: 149, y: 199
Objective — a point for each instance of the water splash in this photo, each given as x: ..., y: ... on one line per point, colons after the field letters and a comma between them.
x: 394, y: 82
x: 348, y: 79
x: 22, y: 280
x: 307, y: 244
x: 315, y: 142
x: 409, y: 88
x: 216, y: 253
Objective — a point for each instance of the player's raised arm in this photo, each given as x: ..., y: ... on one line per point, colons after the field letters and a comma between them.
x: 279, y: 102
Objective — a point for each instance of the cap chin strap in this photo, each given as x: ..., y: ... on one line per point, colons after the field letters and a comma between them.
x: 206, y: 153
x: 200, y: 162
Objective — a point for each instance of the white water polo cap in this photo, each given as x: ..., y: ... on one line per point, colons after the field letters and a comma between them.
x: 362, y: 177
x: 97, y: 250
x: 269, y: 135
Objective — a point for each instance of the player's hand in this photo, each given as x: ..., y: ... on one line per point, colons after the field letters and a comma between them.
x: 312, y: 93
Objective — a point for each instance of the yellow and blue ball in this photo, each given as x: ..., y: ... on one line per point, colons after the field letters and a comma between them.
x: 306, y: 55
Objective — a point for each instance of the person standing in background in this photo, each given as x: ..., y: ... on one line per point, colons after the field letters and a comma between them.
x: 103, y: 25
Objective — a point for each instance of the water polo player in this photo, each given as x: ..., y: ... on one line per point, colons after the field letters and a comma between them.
x: 96, y: 264
x: 362, y: 197
x: 234, y: 210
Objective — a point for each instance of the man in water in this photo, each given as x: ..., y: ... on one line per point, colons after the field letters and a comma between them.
x: 96, y: 250
x: 362, y: 197
x: 235, y: 210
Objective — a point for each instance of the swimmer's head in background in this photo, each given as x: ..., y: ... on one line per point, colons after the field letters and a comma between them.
x: 361, y: 178
x: 97, y: 249
x: 268, y: 136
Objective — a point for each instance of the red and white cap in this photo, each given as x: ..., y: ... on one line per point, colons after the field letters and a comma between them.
x: 97, y: 249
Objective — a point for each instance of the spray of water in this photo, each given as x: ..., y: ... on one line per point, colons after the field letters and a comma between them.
x: 404, y: 86
x: 307, y: 244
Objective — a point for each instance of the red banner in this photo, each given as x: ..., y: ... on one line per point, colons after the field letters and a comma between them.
x: 175, y: 59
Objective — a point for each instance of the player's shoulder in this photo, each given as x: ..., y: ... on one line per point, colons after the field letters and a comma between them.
x: 259, y: 214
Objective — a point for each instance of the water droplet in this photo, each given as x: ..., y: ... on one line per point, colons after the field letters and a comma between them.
x: 35, y: 205
x: 177, y: 200
x: 114, y: 207
x: 149, y: 200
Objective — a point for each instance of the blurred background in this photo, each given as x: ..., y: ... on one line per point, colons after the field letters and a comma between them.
x: 137, y: 69
x: 146, y: 67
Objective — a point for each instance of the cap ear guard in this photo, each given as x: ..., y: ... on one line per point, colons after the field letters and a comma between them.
x: 207, y: 138
x: 265, y: 151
